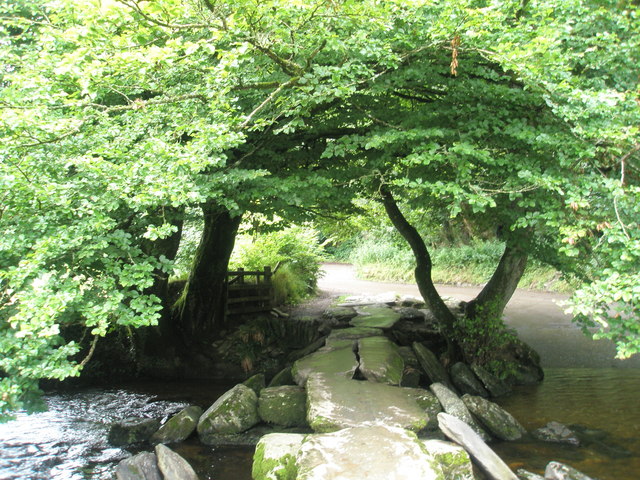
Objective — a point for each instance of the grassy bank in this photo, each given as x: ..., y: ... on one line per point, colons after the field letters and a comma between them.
x: 465, y: 264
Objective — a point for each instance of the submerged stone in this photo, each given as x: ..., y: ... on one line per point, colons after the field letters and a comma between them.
x: 173, y: 466
x: 453, y: 459
x: 372, y: 453
x: 431, y: 365
x: 498, y: 421
x: 179, y: 427
x: 132, y: 430
x: 285, y: 405
x: 380, y: 360
x: 143, y: 466
x: 375, y: 317
x: 275, y: 457
x: 466, y: 381
x: 462, y: 434
x: 234, y: 412
x: 335, y: 403
x: 341, y: 362
x: 556, y: 432
x: 560, y: 471
x: 453, y: 405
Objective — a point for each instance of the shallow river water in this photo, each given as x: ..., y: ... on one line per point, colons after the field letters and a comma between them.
x: 69, y: 440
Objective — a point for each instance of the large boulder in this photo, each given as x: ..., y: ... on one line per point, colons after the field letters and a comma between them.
x: 375, y: 317
x: 173, y: 466
x: 466, y: 381
x: 234, y: 412
x: 375, y: 453
x: 285, y: 405
x: 493, y: 384
x: 494, y: 418
x: 556, y: 432
x: 462, y: 434
x: 132, y: 430
x: 453, y: 405
x: 275, y: 457
x: 334, y: 403
x: 143, y: 466
x: 453, y: 459
x: 283, y: 377
x: 560, y: 471
x: 431, y: 365
x: 380, y: 360
x: 341, y: 361
x: 255, y: 383
x: 179, y: 427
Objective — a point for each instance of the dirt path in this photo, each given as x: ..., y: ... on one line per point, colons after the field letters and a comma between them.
x: 536, y: 316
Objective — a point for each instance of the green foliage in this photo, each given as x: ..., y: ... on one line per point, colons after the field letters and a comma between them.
x: 296, y: 253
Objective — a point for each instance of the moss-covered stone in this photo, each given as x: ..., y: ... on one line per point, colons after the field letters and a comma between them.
x: 380, y: 360
x: 374, y: 452
x: 375, y: 317
x: 143, y: 466
x: 132, y: 431
x: 466, y: 381
x: 335, y: 403
x: 432, y: 366
x: 453, y: 459
x: 255, y: 383
x: 428, y: 402
x: 453, y: 405
x: 275, y: 457
x: 284, y: 405
x: 354, y: 333
x: 283, y: 377
x: 498, y: 421
x: 341, y: 362
x: 179, y: 427
x: 234, y: 412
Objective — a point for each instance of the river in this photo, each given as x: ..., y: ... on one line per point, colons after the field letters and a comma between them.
x: 584, y: 385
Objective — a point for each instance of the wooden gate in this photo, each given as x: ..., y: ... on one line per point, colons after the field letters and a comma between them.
x: 249, y: 291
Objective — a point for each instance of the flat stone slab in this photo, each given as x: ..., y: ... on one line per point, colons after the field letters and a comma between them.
x: 431, y: 365
x: 380, y: 360
x: 462, y: 434
x: 353, y: 333
x: 372, y: 453
x: 327, y: 361
x: 334, y: 403
x: 375, y: 317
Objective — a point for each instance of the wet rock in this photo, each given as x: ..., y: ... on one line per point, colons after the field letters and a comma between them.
x: 173, y: 466
x: 466, y: 381
x: 341, y: 361
x: 132, y: 430
x: 493, y: 384
x: 498, y: 421
x: 374, y: 453
x: 462, y: 434
x: 251, y: 437
x: 234, y: 412
x: 526, y: 475
x: 275, y: 457
x: 409, y: 357
x: 453, y: 459
x: 255, y: 383
x: 431, y: 365
x: 308, y: 350
x: 453, y: 405
x: 526, y: 362
x: 285, y: 405
x: 556, y: 432
x: 143, y: 466
x: 179, y: 427
x: 380, y: 360
x: 340, y: 314
x: 283, y: 377
x: 429, y: 403
x: 334, y: 403
x: 375, y: 317
x: 354, y: 333
x: 560, y: 471
x: 410, y: 377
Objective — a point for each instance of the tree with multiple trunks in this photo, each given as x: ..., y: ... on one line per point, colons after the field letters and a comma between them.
x: 120, y: 116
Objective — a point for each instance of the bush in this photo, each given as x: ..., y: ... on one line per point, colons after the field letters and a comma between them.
x: 294, y: 253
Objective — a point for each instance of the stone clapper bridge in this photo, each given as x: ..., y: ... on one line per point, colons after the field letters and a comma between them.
x: 364, y: 424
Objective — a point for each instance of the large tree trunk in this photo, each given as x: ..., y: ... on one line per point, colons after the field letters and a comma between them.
x: 422, y: 271
x: 201, y: 309
x: 495, y: 295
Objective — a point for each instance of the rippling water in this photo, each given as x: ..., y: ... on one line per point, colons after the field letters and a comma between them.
x: 69, y: 440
